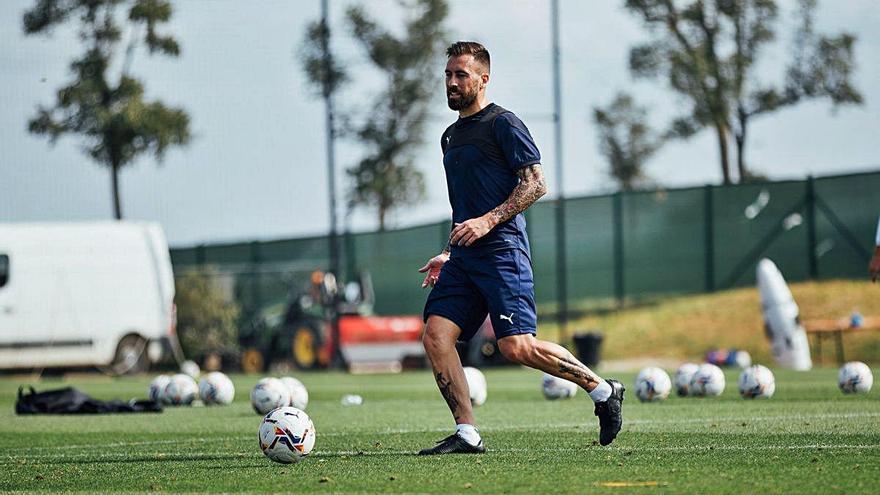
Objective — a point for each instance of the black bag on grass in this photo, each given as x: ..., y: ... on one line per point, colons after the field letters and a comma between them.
x: 71, y: 401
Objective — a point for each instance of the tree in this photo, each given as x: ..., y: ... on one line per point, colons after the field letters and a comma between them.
x: 324, y: 71
x: 206, y: 320
x: 708, y: 49
x: 387, y: 177
x: 327, y: 76
x: 113, y: 118
x: 626, y: 140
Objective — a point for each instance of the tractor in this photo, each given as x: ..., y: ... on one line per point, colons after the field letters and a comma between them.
x: 319, y: 327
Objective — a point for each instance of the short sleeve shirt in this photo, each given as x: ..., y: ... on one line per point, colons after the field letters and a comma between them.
x: 482, y: 154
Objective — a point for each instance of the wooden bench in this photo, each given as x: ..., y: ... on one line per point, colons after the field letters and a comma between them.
x: 834, y: 329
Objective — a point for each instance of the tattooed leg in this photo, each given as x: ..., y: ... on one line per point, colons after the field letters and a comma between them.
x: 439, y: 342
x: 550, y: 358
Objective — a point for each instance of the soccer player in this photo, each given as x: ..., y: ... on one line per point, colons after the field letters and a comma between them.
x: 493, y: 173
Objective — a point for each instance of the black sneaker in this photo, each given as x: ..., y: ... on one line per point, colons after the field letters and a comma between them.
x: 609, y: 413
x: 454, y: 444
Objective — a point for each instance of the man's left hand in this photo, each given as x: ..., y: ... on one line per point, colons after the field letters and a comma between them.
x: 467, y: 232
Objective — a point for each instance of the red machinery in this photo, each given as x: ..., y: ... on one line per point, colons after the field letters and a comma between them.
x: 316, y: 320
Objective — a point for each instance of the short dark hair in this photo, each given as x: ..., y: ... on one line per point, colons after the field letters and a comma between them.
x: 479, y: 51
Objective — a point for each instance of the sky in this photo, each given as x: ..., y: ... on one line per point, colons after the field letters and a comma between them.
x: 256, y: 168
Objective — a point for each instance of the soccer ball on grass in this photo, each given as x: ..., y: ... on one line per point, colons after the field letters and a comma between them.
x: 181, y: 390
x: 554, y: 387
x: 268, y: 394
x: 476, y: 385
x: 287, y: 435
x: 708, y: 381
x: 756, y: 382
x: 855, y: 377
x: 683, y: 377
x: 156, y: 390
x: 652, y: 385
x: 216, y: 388
x: 299, y: 395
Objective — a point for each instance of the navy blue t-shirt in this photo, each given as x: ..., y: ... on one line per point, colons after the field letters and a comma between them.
x: 482, y: 154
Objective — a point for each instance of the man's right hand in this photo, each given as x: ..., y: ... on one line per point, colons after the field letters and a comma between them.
x: 433, y: 267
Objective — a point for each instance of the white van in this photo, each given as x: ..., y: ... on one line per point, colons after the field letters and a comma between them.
x: 85, y: 294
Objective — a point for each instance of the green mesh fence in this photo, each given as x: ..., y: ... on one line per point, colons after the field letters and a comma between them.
x: 589, y: 247
x: 393, y: 259
x: 629, y: 245
x: 843, y: 236
x: 541, y: 221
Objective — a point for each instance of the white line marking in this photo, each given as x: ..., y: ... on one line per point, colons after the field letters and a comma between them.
x: 172, y: 456
x: 402, y: 431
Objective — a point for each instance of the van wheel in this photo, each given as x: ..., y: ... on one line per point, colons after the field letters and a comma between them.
x: 252, y: 361
x: 305, y: 347
x: 131, y: 356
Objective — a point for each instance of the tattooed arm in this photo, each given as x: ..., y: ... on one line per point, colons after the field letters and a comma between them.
x: 530, y: 188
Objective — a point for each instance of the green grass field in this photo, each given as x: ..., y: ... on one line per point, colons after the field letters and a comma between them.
x: 809, y: 438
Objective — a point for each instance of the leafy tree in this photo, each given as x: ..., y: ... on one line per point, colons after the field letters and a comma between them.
x: 626, y: 140
x: 387, y: 177
x: 115, y: 121
x: 708, y: 50
x: 324, y: 71
x: 327, y: 76
x: 206, y: 319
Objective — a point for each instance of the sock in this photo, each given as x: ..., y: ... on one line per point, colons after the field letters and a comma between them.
x: 602, y: 392
x: 468, y: 433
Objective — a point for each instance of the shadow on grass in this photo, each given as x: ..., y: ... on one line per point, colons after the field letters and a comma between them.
x: 217, y: 467
x: 384, y: 453
x: 138, y: 459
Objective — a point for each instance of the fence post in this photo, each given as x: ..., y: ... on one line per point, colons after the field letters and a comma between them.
x: 200, y: 256
x: 709, y: 237
x: 617, y: 226
x: 256, y: 295
x: 350, y: 256
x: 810, y: 208
x: 561, y: 272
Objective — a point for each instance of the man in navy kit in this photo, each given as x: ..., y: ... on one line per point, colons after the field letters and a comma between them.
x: 493, y: 173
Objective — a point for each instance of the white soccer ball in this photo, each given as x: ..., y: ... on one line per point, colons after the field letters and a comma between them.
x: 216, y: 388
x: 269, y: 393
x: 653, y: 384
x: 557, y: 388
x: 756, y: 382
x: 682, y: 379
x: 190, y: 368
x: 181, y: 390
x: 708, y: 381
x: 477, y: 385
x: 855, y: 377
x: 156, y: 390
x: 299, y: 395
x: 287, y: 435
x: 743, y: 359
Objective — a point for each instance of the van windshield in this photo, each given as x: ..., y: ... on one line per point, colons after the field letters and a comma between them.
x: 4, y: 269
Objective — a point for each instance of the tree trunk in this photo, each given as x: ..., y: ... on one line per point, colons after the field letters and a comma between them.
x: 382, y: 211
x: 117, y: 209
x: 740, y: 157
x: 740, y: 138
x: 721, y: 130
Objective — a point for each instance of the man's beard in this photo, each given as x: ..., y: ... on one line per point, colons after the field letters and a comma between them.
x: 465, y: 99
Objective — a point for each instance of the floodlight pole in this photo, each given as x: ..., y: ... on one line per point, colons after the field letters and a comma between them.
x: 336, y: 355
x: 331, y: 137
x: 561, y: 268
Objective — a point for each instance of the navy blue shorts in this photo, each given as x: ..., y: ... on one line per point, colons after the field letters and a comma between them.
x: 499, y: 283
